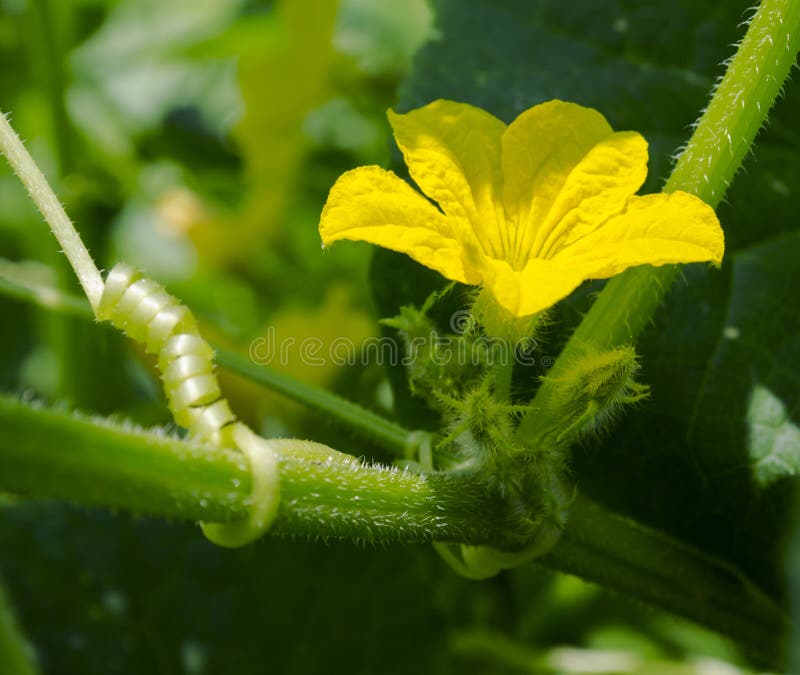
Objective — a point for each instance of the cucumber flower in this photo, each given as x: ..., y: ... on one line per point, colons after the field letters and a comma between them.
x: 529, y: 210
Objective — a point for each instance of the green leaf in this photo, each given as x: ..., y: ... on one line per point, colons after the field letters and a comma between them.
x: 382, y: 36
x: 143, y: 598
x: 711, y: 457
x: 134, y: 70
x: 104, y: 594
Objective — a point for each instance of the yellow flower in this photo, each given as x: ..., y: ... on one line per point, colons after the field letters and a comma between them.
x: 529, y: 210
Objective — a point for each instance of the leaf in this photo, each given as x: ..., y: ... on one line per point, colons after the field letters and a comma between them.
x: 382, y: 36
x: 711, y: 457
x: 133, y: 71
x: 104, y: 594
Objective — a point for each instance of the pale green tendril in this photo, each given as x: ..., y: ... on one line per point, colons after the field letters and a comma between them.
x: 144, y: 310
x: 265, y: 493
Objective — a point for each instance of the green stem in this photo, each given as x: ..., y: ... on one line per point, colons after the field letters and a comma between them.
x: 53, y: 454
x: 15, y: 654
x: 624, y: 556
x: 50, y: 207
x: 353, y: 416
x: 14, y: 283
x: 740, y: 103
x: 723, y: 135
x: 503, y: 373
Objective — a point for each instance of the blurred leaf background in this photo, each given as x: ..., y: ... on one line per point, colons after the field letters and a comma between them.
x: 197, y: 140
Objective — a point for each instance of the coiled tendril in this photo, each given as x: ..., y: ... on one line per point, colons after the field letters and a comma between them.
x: 144, y: 310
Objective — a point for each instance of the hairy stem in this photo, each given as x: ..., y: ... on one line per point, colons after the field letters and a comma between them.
x: 46, y: 201
x: 740, y: 103
x: 53, y: 454
x: 723, y: 135
x: 47, y: 453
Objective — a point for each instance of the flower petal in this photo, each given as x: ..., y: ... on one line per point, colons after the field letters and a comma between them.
x: 654, y: 229
x: 453, y: 153
x: 541, y: 284
x: 374, y: 205
x: 540, y: 149
x: 596, y: 189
